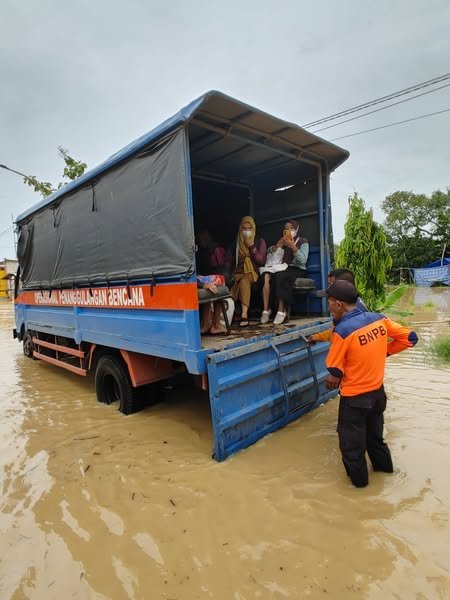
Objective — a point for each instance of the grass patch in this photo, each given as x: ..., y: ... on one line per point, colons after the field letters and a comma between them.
x: 441, y: 347
x: 402, y: 321
x: 429, y: 304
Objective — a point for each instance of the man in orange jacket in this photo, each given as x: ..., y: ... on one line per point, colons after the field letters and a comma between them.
x: 360, y: 342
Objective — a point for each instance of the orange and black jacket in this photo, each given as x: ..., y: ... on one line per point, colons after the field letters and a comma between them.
x: 325, y: 336
x: 359, y: 346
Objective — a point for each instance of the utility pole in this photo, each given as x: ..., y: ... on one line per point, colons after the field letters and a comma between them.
x: 14, y: 234
x: 12, y: 215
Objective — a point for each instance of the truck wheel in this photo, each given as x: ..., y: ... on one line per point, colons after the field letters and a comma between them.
x: 28, y: 345
x: 113, y: 384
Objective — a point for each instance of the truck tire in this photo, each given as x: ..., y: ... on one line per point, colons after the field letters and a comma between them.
x: 28, y: 345
x: 113, y: 384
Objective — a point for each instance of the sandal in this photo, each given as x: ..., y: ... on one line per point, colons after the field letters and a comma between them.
x: 244, y: 323
x: 280, y: 317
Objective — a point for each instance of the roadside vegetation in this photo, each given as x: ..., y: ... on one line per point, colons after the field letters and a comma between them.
x: 441, y: 348
x: 364, y: 250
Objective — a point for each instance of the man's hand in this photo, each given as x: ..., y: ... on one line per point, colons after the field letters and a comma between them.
x: 310, y: 339
x: 332, y: 382
x: 212, y: 287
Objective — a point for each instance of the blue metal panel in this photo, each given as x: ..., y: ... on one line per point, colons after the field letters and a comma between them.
x: 260, y: 386
x: 173, y: 334
x: 314, y: 272
x: 328, y: 221
x: 19, y: 314
x: 50, y: 320
x: 323, y: 249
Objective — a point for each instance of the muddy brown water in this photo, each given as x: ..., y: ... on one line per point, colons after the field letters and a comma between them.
x: 97, y: 505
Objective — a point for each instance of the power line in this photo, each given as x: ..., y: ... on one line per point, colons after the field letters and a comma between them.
x: 391, y: 124
x: 6, y: 231
x: 382, y: 108
x: 380, y: 100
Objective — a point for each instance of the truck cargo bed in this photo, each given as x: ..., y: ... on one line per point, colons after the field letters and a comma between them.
x: 254, y: 330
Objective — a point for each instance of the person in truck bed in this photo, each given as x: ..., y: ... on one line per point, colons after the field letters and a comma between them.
x: 248, y: 254
x: 360, y: 343
x: 212, y: 261
x: 278, y: 282
x: 211, y: 256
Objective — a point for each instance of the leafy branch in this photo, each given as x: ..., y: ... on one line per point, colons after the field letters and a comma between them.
x: 72, y: 170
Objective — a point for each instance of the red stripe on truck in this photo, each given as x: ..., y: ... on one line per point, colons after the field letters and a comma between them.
x: 171, y: 296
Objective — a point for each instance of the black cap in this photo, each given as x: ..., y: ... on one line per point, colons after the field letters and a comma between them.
x: 343, y: 290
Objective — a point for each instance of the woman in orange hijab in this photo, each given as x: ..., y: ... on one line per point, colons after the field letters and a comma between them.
x: 250, y: 254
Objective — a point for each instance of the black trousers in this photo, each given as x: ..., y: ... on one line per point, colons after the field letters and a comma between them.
x: 281, y: 286
x: 360, y: 428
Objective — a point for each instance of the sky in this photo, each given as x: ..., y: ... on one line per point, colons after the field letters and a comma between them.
x: 93, y: 76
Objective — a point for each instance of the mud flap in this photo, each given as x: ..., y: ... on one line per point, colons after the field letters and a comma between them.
x: 261, y: 384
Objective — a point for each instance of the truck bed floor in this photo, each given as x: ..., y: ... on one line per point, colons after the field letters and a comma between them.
x: 255, y: 329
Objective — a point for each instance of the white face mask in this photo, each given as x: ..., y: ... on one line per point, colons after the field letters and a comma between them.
x: 247, y: 232
x: 293, y: 233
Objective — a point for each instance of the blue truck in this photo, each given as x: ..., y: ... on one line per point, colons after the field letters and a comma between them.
x: 107, y: 280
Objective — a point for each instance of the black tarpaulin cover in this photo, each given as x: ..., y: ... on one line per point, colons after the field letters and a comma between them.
x: 133, y: 221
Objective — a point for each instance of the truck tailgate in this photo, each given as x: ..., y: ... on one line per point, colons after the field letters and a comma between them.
x: 260, y: 385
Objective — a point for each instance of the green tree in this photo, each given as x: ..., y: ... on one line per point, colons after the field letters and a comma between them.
x: 414, y: 251
x: 364, y: 250
x: 417, y: 225
x: 72, y: 170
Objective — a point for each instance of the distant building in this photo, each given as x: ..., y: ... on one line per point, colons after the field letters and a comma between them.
x: 8, y: 270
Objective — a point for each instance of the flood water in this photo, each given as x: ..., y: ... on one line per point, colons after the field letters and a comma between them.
x: 97, y: 505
